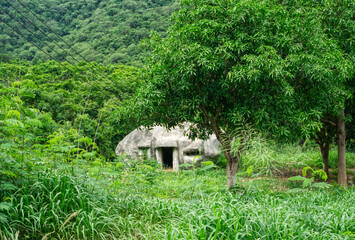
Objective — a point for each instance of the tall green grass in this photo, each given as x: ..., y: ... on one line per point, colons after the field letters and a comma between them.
x: 269, y: 158
x: 42, y: 208
x: 136, y: 200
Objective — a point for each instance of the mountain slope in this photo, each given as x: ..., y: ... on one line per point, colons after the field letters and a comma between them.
x: 102, y: 31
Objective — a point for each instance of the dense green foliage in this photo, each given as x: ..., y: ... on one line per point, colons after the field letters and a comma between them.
x: 135, y: 200
x: 88, y: 103
x: 21, y: 128
x: 338, y: 21
x: 255, y: 66
x: 235, y: 66
x: 269, y: 65
x: 102, y: 31
x: 47, y: 190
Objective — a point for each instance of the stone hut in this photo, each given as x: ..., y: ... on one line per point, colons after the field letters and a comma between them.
x: 169, y: 148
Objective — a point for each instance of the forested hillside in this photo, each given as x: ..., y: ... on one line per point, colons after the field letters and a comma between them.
x: 102, y: 31
x: 80, y: 102
x: 273, y: 80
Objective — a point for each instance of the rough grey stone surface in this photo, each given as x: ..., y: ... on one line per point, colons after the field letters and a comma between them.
x: 154, y: 141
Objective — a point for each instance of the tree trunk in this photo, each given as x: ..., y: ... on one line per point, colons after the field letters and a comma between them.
x: 232, y: 167
x: 232, y: 159
x: 325, y: 156
x: 342, y: 179
x: 232, y: 162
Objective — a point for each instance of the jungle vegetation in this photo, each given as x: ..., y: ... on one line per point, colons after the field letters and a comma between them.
x: 106, y: 32
x: 280, y: 68
x: 274, y: 79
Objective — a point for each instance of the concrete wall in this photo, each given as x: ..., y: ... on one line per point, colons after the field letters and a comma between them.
x: 152, y: 140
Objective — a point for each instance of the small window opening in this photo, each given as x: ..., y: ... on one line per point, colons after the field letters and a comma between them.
x: 167, y: 157
x: 192, y: 152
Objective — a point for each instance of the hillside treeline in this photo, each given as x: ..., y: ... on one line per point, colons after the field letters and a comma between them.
x: 78, y: 102
x: 103, y: 31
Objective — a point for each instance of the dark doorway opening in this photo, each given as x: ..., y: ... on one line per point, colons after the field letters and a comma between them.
x: 167, y: 157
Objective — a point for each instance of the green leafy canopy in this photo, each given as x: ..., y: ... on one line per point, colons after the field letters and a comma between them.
x: 226, y: 60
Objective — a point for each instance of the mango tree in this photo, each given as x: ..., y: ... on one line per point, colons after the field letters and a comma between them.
x: 227, y: 62
x: 337, y: 22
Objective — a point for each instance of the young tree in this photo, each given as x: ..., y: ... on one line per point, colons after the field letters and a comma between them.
x: 338, y: 23
x: 224, y: 62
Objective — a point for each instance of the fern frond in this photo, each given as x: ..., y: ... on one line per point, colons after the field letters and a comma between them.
x: 305, y: 170
x: 14, y: 123
x: 34, y: 122
x: 13, y: 114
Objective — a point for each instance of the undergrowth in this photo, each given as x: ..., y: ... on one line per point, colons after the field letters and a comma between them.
x: 55, y: 185
x: 143, y: 202
x: 265, y: 157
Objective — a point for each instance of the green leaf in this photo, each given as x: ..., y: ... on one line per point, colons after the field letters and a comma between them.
x: 297, y: 178
x: 13, y: 114
x: 7, y: 186
x: 7, y: 173
x: 5, y: 206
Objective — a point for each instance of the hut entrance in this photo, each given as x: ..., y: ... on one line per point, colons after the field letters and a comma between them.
x: 167, y: 157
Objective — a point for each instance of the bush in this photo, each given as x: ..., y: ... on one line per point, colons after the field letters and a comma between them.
x: 221, y: 161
